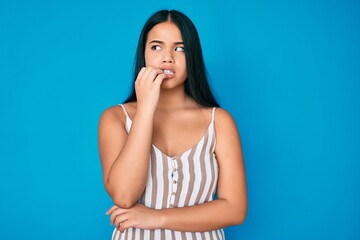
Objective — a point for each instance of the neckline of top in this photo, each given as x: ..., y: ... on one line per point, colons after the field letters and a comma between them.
x: 178, y: 156
x: 128, y: 119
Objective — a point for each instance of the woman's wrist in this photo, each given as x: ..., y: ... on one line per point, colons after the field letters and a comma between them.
x: 160, y: 219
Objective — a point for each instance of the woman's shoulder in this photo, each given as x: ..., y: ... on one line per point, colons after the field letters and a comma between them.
x: 115, y: 114
x: 117, y: 111
x: 223, y: 119
x: 222, y: 114
x: 219, y: 115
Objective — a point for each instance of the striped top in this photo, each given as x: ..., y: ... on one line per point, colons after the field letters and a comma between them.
x: 187, y: 179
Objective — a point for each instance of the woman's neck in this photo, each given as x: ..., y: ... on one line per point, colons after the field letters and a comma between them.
x: 172, y: 100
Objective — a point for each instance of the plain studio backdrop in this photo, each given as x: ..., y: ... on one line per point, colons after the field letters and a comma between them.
x: 288, y: 71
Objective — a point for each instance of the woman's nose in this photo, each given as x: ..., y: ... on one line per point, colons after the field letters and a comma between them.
x: 168, y: 57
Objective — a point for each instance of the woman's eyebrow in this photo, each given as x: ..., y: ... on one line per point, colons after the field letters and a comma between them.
x: 156, y: 41
x: 161, y: 42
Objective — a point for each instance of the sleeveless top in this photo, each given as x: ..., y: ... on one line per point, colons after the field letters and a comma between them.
x: 187, y: 179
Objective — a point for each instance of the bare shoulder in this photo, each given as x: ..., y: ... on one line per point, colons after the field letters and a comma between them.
x: 223, y: 118
x: 228, y: 143
x: 226, y: 129
x: 113, y: 114
x: 207, y: 112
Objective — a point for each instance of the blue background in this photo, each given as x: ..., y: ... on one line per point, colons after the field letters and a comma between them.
x: 288, y: 71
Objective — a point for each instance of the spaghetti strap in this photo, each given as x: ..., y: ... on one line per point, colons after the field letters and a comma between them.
x: 126, y: 113
x: 213, y: 114
x: 128, y: 121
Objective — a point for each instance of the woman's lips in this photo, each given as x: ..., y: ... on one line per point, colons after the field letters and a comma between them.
x: 169, y: 73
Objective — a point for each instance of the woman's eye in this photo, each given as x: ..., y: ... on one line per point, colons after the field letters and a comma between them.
x: 180, y: 49
x: 155, y: 47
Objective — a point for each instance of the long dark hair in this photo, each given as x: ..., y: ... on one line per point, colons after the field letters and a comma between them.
x: 196, y: 84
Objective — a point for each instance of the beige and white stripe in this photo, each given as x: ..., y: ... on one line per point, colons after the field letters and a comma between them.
x: 179, y: 181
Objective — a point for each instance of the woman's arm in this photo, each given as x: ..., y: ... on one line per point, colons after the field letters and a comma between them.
x: 229, y: 209
x: 125, y: 158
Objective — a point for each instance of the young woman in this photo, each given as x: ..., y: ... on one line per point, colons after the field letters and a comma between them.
x: 169, y: 148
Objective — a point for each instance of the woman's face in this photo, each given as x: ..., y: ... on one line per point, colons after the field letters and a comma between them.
x: 164, y: 49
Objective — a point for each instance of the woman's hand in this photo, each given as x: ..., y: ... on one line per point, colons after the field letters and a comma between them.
x: 147, y: 87
x: 137, y: 216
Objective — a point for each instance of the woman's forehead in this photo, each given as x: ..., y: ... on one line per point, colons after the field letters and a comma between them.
x: 166, y: 32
